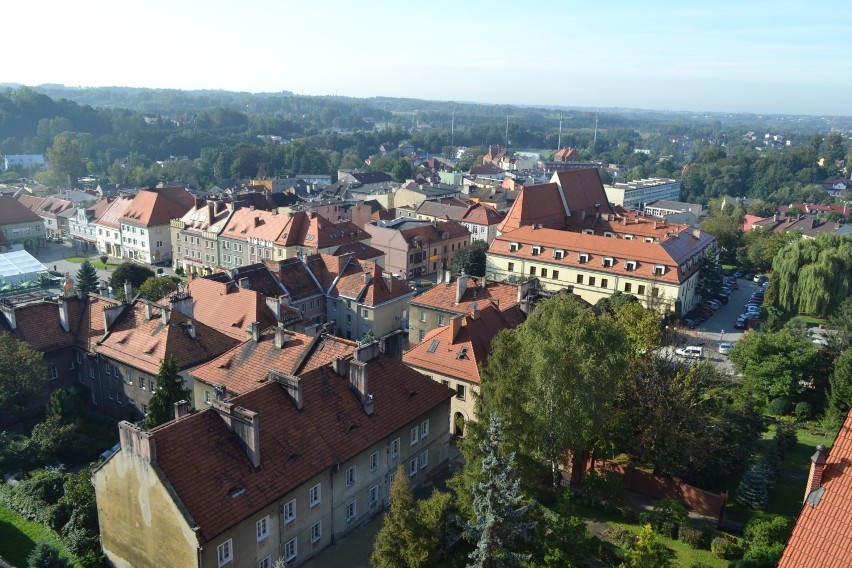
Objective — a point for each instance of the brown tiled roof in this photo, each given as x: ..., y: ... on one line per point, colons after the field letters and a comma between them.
x: 567, y: 154
x: 312, y: 230
x: 205, y: 465
x: 260, y: 279
x: 822, y: 535
x: 463, y: 355
x: 157, y: 206
x: 144, y: 343
x: 430, y: 233
x: 92, y: 325
x: 482, y: 214
x: 485, y: 170
x: 228, y: 308
x: 253, y: 361
x: 444, y: 208
x: 583, y: 190
x: 97, y: 210
x: 536, y: 204
x: 443, y: 296
x: 206, y: 215
x: 50, y: 206
x: 359, y: 250
x: 295, y: 277
x: 38, y: 324
x: 365, y: 282
x: 15, y: 211
x: 111, y: 217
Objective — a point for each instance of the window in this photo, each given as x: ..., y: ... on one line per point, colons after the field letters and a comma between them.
x: 544, y: 273
x: 659, y: 270
x: 442, y: 320
x: 609, y: 234
x: 536, y: 250
x: 584, y: 258
x: 607, y: 262
x: 446, y: 383
x: 559, y: 254
x: 413, y: 435
x: 555, y: 275
x: 374, y: 495
x: 422, y: 334
x: 422, y: 316
x: 424, y: 459
x: 460, y: 394
x: 54, y: 373
x: 129, y: 379
x: 532, y: 270
x: 630, y: 265
x: 145, y: 409
x: 591, y: 280
x: 412, y: 468
x: 142, y: 383
x: 290, y: 511
x: 364, y: 313
x: 79, y: 357
x: 374, y: 461
x: 265, y: 563
x: 604, y: 282
x: 207, y: 397
x: 628, y: 287
x: 290, y: 549
x: 91, y: 372
x: 118, y: 397
x: 655, y: 292
x: 511, y: 267
x: 108, y: 368
x: 151, y: 384
x: 350, y: 476
x: 513, y: 247
x: 316, y: 531
x: 351, y: 511
x: 640, y: 290
x: 226, y: 552
x: 424, y: 429
x: 588, y: 231
x: 579, y: 279
x: 262, y: 528
x: 315, y: 495
x: 395, y: 449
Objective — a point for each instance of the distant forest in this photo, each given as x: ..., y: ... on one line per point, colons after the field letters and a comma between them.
x: 145, y: 136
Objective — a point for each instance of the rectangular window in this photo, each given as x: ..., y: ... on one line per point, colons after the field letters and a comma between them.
x: 630, y: 265
x: 532, y: 270
x: 265, y: 563
x: 412, y: 468
x: 655, y: 292
x: 91, y: 371
x: 290, y: 549
x: 422, y: 334
x: 374, y: 495
x: 207, y: 397
x: 513, y: 247
x: 579, y: 279
x: 555, y: 275
x: 118, y: 397
x: 604, y: 282
x: 442, y: 320
x: 151, y: 384
x: 413, y: 436
x: 424, y: 459
x: 584, y: 258
x: 559, y: 254
x: 628, y: 287
x: 544, y: 273
x: 315, y: 495
x: 424, y: 429
x: 350, y: 476
x: 460, y: 392
x: 142, y: 383
x: 640, y: 290
x: 316, y: 531
x: 536, y: 250
x: 290, y: 511
x: 511, y: 267
x: 395, y: 449
x: 365, y: 314
x: 108, y: 368
x: 446, y: 383
x: 225, y: 552
x: 374, y: 461
x: 262, y: 528
x: 607, y: 262
x: 351, y: 511
x: 591, y: 280
x: 54, y: 373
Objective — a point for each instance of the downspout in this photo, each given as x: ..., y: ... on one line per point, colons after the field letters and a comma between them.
x: 200, y: 550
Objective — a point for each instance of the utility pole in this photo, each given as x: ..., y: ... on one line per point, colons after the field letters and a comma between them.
x: 559, y: 143
x: 453, y: 127
x: 507, y: 131
x: 596, y: 128
x: 845, y: 203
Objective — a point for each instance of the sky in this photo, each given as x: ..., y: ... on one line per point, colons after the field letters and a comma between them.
x: 767, y: 57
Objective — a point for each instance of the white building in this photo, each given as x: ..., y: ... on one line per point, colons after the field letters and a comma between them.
x: 633, y: 194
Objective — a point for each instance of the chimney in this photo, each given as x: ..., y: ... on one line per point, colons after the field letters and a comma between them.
x: 128, y: 290
x: 111, y: 313
x: 8, y: 310
x: 165, y: 313
x: 292, y: 384
x: 696, y: 232
x: 182, y: 302
x: 281, y: 337
x: 817, y: 469
x: 455, y: 326
x: 474, y: 311
x: 253, y: 331
x: 366, y: 353
x: 359, y: 383
x: 211, y: 210
x: 366, y: 278
x: 245, y: 424
x: 461, y: 286
x: 63, y: 314
x: 339, y: 365
x: 137, y: 442
x: 181, y: 409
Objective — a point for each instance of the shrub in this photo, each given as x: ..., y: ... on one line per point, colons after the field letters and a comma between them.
x: 699, y: 564
x: 619, y: 536
x: 693, y: 537
x: 804, y: 411
x: 723, y: 548
x: 779, y: 407
x: 604, y: 485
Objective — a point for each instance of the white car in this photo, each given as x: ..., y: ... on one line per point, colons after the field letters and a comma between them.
x: 691, y: 352
x: 725, y: 347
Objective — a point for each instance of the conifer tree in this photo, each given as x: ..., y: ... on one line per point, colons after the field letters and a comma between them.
x: 400, y: 543
x: 169, y: 390
x: 753, y: 490
x: 503, y: 524
x: 87, y: 278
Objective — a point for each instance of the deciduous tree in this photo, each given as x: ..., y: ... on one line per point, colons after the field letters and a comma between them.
x: 22, y: 374
x: 773, y: 365
x: 814, y: 275
x: 471, y: 259
x: 131, y: 272
x: 156, y: 288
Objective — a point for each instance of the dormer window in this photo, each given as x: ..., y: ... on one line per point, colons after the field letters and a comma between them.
x: 558, y: 254
x: 649, y: 240
x: 584, y: 258
x: 628, y: 237
x: 588, y: 231
x: 629, y: 265
x: 536, y: 250
x: 513, y: 247
x: 609, y: 234
x: 659, y: 270
x: 608, y: 261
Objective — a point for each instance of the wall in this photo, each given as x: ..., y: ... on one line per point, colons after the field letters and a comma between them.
x: 465, y: 406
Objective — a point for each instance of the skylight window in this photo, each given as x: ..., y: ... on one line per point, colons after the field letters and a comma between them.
x: 433, y: 346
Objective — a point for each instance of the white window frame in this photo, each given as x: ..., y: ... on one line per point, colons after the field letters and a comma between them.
x: 413, y: 436
x: 558, y: 254
x: 395, y: 449
x: 262, y: 528
x: 290, y: 511
x: 513, y: 247
x: 351, y: 511
x: 225, y: 552
x: 265, y: 563
x: 659, y: 270
x: 374, y: 461
x: 316, y: 531
x: 374, y: 495
x: 536, y: 250
x: 424, y: 429
x: 608, y: 262
x: 424, y: 459
x: 315, y: 494
x: 630, y: 265
x: 350, y: 476
x: 291, y: 549
x: 584, y: 258
x: 412, y: 467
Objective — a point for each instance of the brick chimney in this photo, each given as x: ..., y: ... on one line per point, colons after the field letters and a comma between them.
x: 253, y: 331
x: 137, y: 442
x: 817, y: 470
x: 182, y: 302
x: 63, y: 314
x: 181, y: 409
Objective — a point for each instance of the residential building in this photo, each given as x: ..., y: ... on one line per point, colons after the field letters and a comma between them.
x: 54, y: 211
x: 195, y: 236
x: 233, y: 238
x: 664, y: 208
x: 146, y: 223
x: 19, y: 225
x: 418, y: 248
x: 108, y: 226
x: 245, y: 306
x: 412, y: 195
x: 374, y: 179
x: 308, y: 232
x: 280, y: 471
x: 303, y: 291
x: 480, y: 219
x: 634, y: 194
x: 11, y: 161
x: 822, y: 533
x: 83, y: 228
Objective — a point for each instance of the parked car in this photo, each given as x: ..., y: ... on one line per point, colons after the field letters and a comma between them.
x: 725, y: 348
x: 690, y: 323
x: 722, y: 298
x: 748, y: 275
x: 691, y: 352
x: 757, y: 277
x: 741, y: 322
x: 739, y: 274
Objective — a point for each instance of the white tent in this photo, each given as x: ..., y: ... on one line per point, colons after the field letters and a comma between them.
x: 20, y: 266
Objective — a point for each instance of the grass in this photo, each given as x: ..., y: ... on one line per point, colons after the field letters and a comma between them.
x: 18, y: 537
x: 96, y: 262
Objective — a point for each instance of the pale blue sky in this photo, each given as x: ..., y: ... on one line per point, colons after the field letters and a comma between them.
x: 754, y: 56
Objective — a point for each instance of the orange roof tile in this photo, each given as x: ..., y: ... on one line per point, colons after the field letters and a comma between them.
x: 228, y: 308
x: 157, y: 206
x: 111, y: 217
x: 443, y: 296
x: 536, y: 204
x: 15, y: 211
x: 822, y: 535
x: 359, y: 280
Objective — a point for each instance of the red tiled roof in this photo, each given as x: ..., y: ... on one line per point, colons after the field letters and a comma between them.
x: 157, y: 206
x: 295, y: 277
x: 482, y: 214
x: 443, y: 296
x: 205, y: 465
x: 567, y: 154
x: 359, y: 250
x: 365, y: 282
x: 228, y: 308
x: 207, y: 215
x: 536, y: 205
x: 112, y: 215
x: 38, y: 324
x: 463, y: 355
x: 16, y: 211
x: 822, y: 535
x: 312, y: 230
x: 583, y: 190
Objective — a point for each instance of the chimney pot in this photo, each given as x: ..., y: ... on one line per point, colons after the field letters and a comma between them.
x: 165, y: 313
x: 181, y: 409
x: 128, y: 290
x: 281, y: 337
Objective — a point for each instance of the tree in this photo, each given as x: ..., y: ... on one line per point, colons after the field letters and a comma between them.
x: 773, y: 365
x: 765, y: 537
x: 169, y: 390
x: 649, y: 552
x: 60, y: 428
x: 22, y: 374
x: 840, y: 389
x: 66, y: 157
x: 104, y: 258
x: 727, y: 231
x: 753, y: 490
x: 87, y: 278
x: 128, y: 272
x: 45, y: 555
x: 400, y: 543
x: 814, y: 275
x: 401, y: 170
x: 641, y: 326
x: 709, y: 276
x: 502, y: 523
x: 156, y: 288
x: 470, y: 259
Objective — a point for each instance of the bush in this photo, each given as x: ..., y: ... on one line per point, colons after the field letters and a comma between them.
x: 604, y: 485
x: 779, y: 407
x: 699, y: 564
x: 723, y: 548
x: 804, y: 411
x: 788, y: 430
x: 620, y: 536
x: 693, y: 537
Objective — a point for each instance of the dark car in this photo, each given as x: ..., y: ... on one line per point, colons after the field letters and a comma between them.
x: 738, y: 274
x: 722, y: 298
x: 748, y: 276
x: 740, y: 323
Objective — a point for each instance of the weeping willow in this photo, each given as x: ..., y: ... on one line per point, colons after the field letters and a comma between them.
x: 814, y: 275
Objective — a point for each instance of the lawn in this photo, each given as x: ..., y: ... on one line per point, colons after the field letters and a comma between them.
x: 19, y: 536
x: 96, y: 262
x: 786, y: 498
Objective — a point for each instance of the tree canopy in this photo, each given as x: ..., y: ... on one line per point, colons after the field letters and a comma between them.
x: 87, y: 278
x: 131, y: 272
x: 773, y: 365
x: 471, y: 259
x: 814, y: 275
x: 169, y: 389
x: 22, y: 374
x: 156, y: 288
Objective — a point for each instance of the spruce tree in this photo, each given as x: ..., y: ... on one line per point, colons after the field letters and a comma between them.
x: 503, y: 524
x: 169, y: 390
x: 46, y: 556
x: 87, y: 278
x: 400, y: 542
x: 753, y: 490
